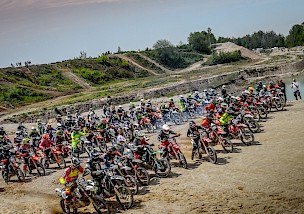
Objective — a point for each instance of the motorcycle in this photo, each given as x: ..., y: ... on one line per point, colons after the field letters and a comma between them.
x: 34, y: 162
x: 83, y: 195
x: 204, y: 147
x: 238, y: 130
x: 55, y: 157
x: 175, y: 152
x: 10, y: 167
x: 218, y: 135
x: 161, y: 167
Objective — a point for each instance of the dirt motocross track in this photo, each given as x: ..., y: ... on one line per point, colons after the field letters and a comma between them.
x: 266, y: 177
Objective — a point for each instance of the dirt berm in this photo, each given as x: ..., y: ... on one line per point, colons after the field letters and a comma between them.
x: 266, y: 177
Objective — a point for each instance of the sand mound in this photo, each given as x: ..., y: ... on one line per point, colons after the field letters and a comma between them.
x: 230, y: 47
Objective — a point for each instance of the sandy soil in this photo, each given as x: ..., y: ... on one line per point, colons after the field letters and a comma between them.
x: 267, y: 177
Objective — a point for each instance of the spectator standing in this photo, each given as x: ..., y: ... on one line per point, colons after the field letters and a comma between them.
x: 296, y: 90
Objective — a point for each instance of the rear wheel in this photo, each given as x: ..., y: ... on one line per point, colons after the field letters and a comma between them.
x: 40, y: 169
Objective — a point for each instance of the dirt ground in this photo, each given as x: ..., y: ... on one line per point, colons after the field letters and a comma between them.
x: 266, y: 177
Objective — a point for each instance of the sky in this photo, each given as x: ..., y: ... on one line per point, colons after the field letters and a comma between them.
x: 45, y: 31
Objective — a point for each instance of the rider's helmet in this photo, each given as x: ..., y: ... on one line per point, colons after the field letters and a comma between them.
x: 181, y: 96
x: 49, y: 126
x: 135, y: 125
x: 271, y: 83
x: 265, y: 87
x: 38, y: 120
x: 224, y: 105
x: 75, y: 162
x: 142, y: 100
x: 223, y: 86
x: 166, y: 128
x: 171, y: 99
x: 45, y: 136
x: 87, y: 124
x: 189, y: 95
x: 192, y: 124
x: 104, y: 120
x: 205, y: 90
x: 260, y: 83
x: 140, y: 135
x: 33, y: 129
x: 120, y: 107
x: 1, y: 128
x: 251, y: 89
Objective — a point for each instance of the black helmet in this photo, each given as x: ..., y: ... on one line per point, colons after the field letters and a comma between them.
x: 192, y: 124
x: 75, y: 162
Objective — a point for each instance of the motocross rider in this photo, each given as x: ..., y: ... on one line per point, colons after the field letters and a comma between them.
x: 76, y: 134
x: 193, y: 132
x: 69, y: 176
x: 164, y: 136
x: 45, y: 145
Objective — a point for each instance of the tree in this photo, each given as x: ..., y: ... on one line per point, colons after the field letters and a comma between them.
x: 199, y: 41
x: 119, y: 50
x: 83, y: 55
x: 164, y: 51
x: 296, y: 36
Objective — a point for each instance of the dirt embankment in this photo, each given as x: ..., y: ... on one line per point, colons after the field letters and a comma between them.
x: 266, y: 177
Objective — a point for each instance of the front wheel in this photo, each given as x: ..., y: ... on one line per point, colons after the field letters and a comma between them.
x: 246, y: 136
x: 162, y: 168
x: 143, y: 176
x: 20, y: 174
x: 211, y: 153
x: 131, y: 184
x: 124, y: 197
x: 61, y: 162
x: 227, y: 144
x: 182, y: 160
x: 63, y: 206
x: 253, y: 125
x: 100, y: 205
x: 149, y: 128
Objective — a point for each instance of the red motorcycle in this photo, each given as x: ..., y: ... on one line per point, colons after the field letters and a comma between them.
x: 175, y: 152
x: 55, y: 156
x: 34, y: 163
x: 239, y: 130
x: 9, y: 167
x: 145, y: 123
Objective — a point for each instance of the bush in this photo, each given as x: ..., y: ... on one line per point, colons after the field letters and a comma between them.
x: 223, y: 58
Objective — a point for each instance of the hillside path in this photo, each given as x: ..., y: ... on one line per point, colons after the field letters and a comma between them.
x: 122, y: 56
x: 73, y: 77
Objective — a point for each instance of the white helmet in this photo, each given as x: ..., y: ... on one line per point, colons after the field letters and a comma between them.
x: 166, y: 127
x: 223, y: 86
